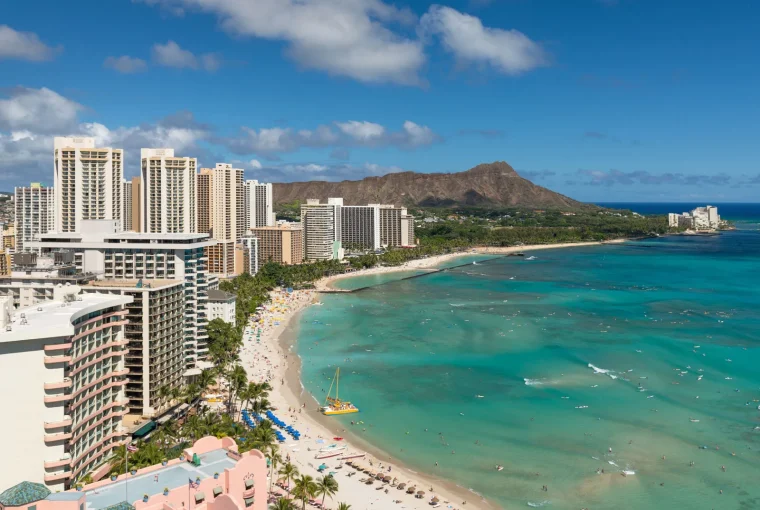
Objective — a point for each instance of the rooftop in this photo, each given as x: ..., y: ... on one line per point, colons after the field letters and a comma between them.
x: 53, y: 319
x: 132, y: 284
x: 172, y: 477
x: 218, y: 295
x: 23, y: 494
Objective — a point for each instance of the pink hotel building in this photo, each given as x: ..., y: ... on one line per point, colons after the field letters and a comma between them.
x: 211, y: 475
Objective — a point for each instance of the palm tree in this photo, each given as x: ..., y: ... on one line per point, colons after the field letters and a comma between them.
x: 304, y: 489
x: 326, y: 486
x: 281, y: 504
x: 289, y: 471
x: 344, y: 506
x: 118, y: 458
x: 274, y: 459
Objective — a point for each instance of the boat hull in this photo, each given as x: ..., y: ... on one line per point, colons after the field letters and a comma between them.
x: 333, y: 412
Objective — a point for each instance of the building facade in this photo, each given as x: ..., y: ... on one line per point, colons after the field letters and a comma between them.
x: 251, y: 253
x: 407, y: 229
x: 169, y: 192
x: 390, y: 225
x: 259, y: 204
x: 205, y: 187
x: 229, y: 192
x: 35, y: 213
x: 322, y: 229
x: 137, y: 210
x: 282, y: 244
x: 127, y: 203
x: 221, y: 258
x: 360, y: 228
x: 64, y: 361
x: 87, y: 183
x: 221, y: 306
x: 154, y: 335
x: 8, y: 238
x: 103, y: 251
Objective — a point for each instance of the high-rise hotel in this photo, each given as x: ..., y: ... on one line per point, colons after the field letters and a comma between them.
x: 87, y: 182
x: 35, y: 213
x: 169, y: 192
x: 259, y: 204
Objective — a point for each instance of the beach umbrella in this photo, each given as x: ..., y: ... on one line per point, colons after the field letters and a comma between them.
x: 434, y: 500
x: 387, y: 478
x: 401, y: 486
x: 411, y: 490
x: 420, y: 493
x: 323, y: 466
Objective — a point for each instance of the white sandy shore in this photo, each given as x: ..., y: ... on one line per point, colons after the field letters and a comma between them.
x: 272, y: 359
x: 434, y: 262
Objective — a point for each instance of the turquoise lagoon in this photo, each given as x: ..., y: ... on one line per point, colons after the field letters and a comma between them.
x: 575, y: 353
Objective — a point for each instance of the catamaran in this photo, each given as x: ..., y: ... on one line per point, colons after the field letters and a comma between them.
x: 334, y: 406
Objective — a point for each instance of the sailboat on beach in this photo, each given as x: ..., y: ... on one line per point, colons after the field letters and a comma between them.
x: 334, y: 406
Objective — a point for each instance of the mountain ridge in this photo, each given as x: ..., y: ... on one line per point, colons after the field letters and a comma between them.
x: 494, y: 184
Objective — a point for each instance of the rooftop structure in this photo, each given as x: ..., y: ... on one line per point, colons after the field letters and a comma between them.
x: 64, y: 361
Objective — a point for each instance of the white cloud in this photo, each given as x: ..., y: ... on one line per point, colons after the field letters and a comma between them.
x: 508, y: 51
x: 172, y: 55
x: 268, y: 142
x: 353, y: 38
x: 38, y: 110
x: 23, y: 46
x: 255, y: 164
x: 293, y: 172
x: 363, y: 131
x: 126, y: 64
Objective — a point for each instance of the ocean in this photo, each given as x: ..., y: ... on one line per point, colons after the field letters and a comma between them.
x: 637, y: 359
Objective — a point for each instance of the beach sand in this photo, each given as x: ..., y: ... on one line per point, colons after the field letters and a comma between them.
x: 434, y: 262
x: 272, y: 359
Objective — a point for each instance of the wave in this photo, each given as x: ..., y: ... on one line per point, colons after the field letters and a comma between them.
x: 604, y: 371
x: 539, y: 504
x: 533, y: 382
x: 456, y: 304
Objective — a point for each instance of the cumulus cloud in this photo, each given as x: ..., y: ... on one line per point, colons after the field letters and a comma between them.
x: 508, y: 51
x: 269, y: 142
x: 37, y: 110
x: 126, y: 64
x: 172, y: 55
x: 24, y: 46
x: 255, y: 164
x: 642, y: 177
x: 354, y: 38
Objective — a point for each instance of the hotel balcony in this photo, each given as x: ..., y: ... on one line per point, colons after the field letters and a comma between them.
x: 54, y: 438
x: 50, y: 360
x: 58, y: 475
x: 66, y: 422
x: 52, y: 399
x: 66, y: 383
x: 63, y: 461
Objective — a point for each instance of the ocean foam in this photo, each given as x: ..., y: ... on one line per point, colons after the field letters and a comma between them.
x: 532, y: 382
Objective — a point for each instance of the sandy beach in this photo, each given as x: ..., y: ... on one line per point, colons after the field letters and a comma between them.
x: 434, y: 262
x: 271, y: 359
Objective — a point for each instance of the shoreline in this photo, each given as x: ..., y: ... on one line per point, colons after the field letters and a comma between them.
x: 275, y: 360
x: 432, y: 263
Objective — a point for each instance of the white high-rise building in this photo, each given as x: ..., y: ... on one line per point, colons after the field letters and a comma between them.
x: 360, y: 228
x: 126, y: 215
x: 35, y: 213
x: 259, y: 210
x: 88, y: 183
x: 228, y: 193
x: 407, y: 229
x: 169, y: 191
x: 63, y: 377
x: 322, y: 229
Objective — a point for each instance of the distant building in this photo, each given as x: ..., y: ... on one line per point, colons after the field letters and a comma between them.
x: 133, y: 200
x: 221, y: 306
x: 390, y: 225
x: 701, y: 218
x: 5, y: 262
x: 63, y: 373
x: 205, y: 184
x: 169, y: 192
x: 407, y: 229
x: 9, y: 237
x: 259, y: 206
x: 34, y: 278
x: 322, y: 229
x: 221, y: 258
x: 35, y: 213
x: 282, y: 244
x: 360, y: 228
x: 88, y: 183
x: 154, y: 335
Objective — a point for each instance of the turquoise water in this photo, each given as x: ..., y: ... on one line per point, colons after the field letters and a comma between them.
x: 655, y: 314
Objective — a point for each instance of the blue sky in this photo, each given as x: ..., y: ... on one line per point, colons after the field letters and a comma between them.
x: 603, y: 100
